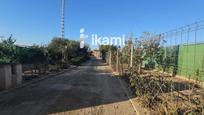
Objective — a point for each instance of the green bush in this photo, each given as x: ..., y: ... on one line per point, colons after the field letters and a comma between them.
x: 60, y: 52
x: 77, y: 60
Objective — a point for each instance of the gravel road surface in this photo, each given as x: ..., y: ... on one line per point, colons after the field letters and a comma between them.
x: 89, y: 89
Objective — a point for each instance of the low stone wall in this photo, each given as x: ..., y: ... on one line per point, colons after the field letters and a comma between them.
x: 10, y: 75
x: 16, y: 74
x: 5, y: 76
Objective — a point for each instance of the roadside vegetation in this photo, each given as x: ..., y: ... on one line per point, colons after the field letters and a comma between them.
x: 152, y: 76
x: 42, y: 59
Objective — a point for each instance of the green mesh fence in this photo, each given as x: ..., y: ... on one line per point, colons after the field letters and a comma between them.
x: 191, y: 61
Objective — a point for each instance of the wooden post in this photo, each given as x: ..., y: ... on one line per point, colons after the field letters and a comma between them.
x: 117, y: 62
x: 131, y: 55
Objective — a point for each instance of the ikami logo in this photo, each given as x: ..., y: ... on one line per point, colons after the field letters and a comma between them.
x: 101, y: 40
x: 82, y: 37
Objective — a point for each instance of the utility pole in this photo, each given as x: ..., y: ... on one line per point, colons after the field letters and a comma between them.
x: 62, y: 25
x: 62, y: 19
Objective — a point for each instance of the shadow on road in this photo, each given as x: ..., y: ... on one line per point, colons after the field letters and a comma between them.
x: 88, y: 89
x: 95, y: 88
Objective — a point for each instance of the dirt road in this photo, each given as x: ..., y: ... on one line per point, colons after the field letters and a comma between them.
x: 86, y: 90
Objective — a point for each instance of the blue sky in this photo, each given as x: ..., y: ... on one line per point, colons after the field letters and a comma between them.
x: 37, y: 21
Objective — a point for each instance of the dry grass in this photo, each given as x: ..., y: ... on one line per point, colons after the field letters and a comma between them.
x: 163, y: 94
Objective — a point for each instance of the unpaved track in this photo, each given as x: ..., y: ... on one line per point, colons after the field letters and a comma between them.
x: 86, y: 90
